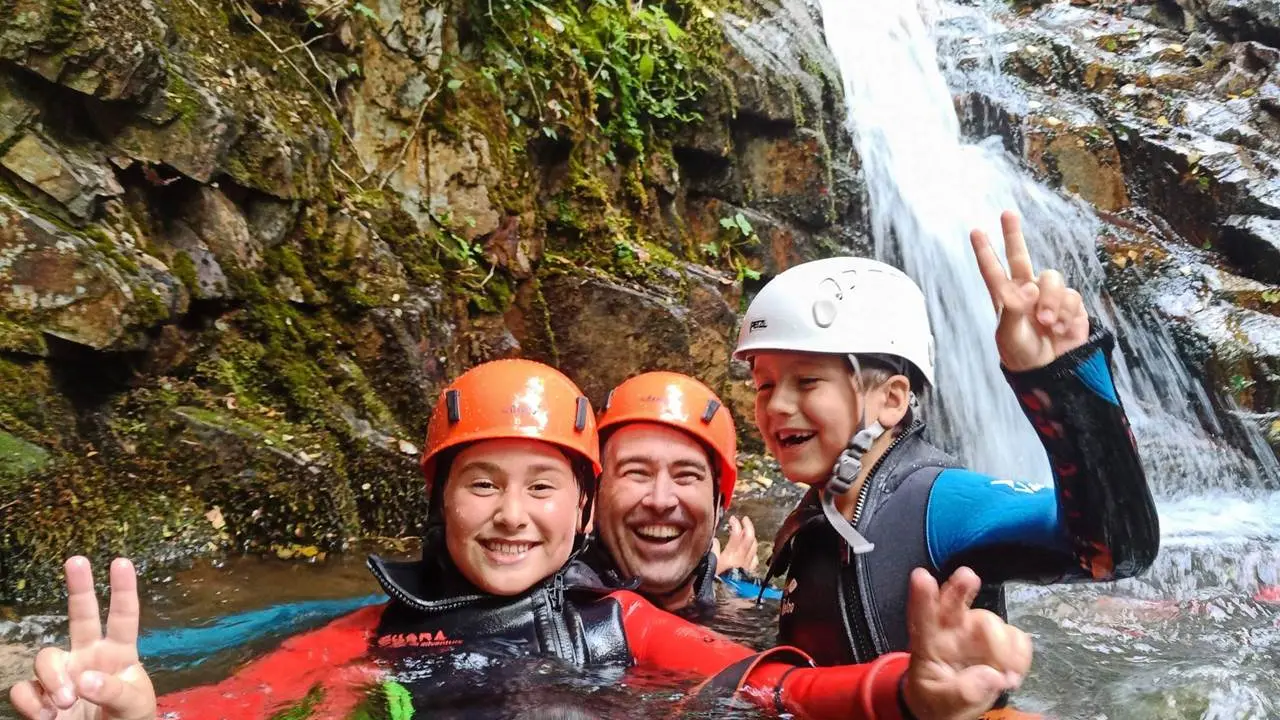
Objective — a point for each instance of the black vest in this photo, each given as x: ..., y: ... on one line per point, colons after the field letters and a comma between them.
x: 566, y: 616
x: 863, y: 595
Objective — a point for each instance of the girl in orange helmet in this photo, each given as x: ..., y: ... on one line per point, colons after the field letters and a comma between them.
x: 511, y: 462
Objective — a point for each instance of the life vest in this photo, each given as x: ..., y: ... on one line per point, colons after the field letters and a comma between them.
x: 562, y: 617
x: 855, y: 605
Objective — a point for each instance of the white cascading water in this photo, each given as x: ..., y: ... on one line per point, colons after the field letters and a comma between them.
x: 1214, y: 650
x: 927, y: 188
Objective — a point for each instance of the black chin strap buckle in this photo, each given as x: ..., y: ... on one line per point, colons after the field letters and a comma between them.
x: 845, y: 473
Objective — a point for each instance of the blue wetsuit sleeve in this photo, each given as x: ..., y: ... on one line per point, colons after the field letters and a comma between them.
x: 969, y: 512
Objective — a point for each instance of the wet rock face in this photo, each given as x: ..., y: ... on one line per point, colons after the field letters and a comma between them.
x: 1238, y: 19
x: 243, y: 246
x: 108, y: 49
x: 1254, y: 242
x: 65, y: 286
x: 1165, y: 117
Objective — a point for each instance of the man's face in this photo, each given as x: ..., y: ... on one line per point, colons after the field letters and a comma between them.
x: 656, y: 511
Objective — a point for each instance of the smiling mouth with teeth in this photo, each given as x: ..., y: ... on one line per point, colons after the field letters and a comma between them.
x: 507, y: 548
x: 792, y: 439
x: 658, y: 533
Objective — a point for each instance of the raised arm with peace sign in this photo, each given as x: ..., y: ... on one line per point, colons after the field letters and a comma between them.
x: 1040, y: 318
x: 99, y: 678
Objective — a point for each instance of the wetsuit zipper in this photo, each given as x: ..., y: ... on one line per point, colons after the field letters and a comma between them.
x: 863, y: 643
x: 394, y: 591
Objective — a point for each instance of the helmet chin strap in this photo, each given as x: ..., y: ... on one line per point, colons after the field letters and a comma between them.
x: 845, y: 473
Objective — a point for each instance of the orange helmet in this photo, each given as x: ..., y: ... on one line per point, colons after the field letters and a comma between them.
x: 683, y: 403
x: 512, y: 399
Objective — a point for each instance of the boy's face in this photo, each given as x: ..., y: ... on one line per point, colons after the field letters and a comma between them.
x: 656, y: 511
x: 807, y: 410
x: 512, y: 508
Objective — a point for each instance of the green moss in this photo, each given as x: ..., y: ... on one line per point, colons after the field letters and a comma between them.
x: 129, y: 506
x: 64, y: 22
x: 28, y: 404
x: 285, y: 261
x: 16, y: 337
x: 19, y: 457
x: 184, y: 268
x: 148, y: 308
x: 105, y: 243
x: 181, y: 96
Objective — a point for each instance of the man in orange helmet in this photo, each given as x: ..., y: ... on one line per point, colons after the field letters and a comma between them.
x: 669, y: 451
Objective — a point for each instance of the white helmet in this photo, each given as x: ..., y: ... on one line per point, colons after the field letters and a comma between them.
x: 841, y: 306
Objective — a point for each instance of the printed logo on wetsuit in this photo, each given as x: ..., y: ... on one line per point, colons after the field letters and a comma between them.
x: 422, y: 639
x: 1021, y: 486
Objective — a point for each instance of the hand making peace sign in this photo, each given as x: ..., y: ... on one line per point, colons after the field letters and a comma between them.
x: 99, y: 678
x: 962, y: 659
x: 1040, y: 319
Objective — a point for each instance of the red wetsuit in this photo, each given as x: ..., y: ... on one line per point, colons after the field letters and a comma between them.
x: 338, y: 658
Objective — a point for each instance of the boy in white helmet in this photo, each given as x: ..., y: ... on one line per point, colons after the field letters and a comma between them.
x: 839, y: 350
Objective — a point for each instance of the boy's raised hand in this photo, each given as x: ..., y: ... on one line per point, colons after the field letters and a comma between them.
x: 1040, y: 318
x: 961, y: 659
x: 99, y: 678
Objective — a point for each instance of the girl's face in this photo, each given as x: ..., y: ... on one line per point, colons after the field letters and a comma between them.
x: 807, y: 410
x: 512, y: 509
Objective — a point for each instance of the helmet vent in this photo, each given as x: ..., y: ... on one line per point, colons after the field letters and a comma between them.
x: 452, y: 401
x: 608, y: 400
x: 580, y: 420
x: 710, y: 412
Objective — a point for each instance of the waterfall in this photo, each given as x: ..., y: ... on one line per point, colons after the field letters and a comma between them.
x: 928, y: 187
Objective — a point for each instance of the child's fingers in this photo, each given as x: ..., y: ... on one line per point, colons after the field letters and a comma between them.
x: 120, y: 698
x: 1072, y: 312
x: 957, y: 595
x: 922, y: 609
x: 1015, y: 248
x: 82, y: 603
x: 29, y: 698
x: 122, y: 617
x: 1053, y: 293
x: 53, y: 671
x: 980, y: 685
x: 993, y: 274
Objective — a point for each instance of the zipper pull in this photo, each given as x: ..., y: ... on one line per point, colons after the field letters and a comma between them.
x: 557, y: 592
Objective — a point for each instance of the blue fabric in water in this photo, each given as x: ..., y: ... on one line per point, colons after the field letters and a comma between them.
x: 747, y: 588
x: 186, y: 646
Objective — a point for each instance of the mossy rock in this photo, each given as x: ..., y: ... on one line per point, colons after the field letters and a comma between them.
x: 19, y: 457
x: 272, y: 481
x: 16, y: 337
x: 117, y: 507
